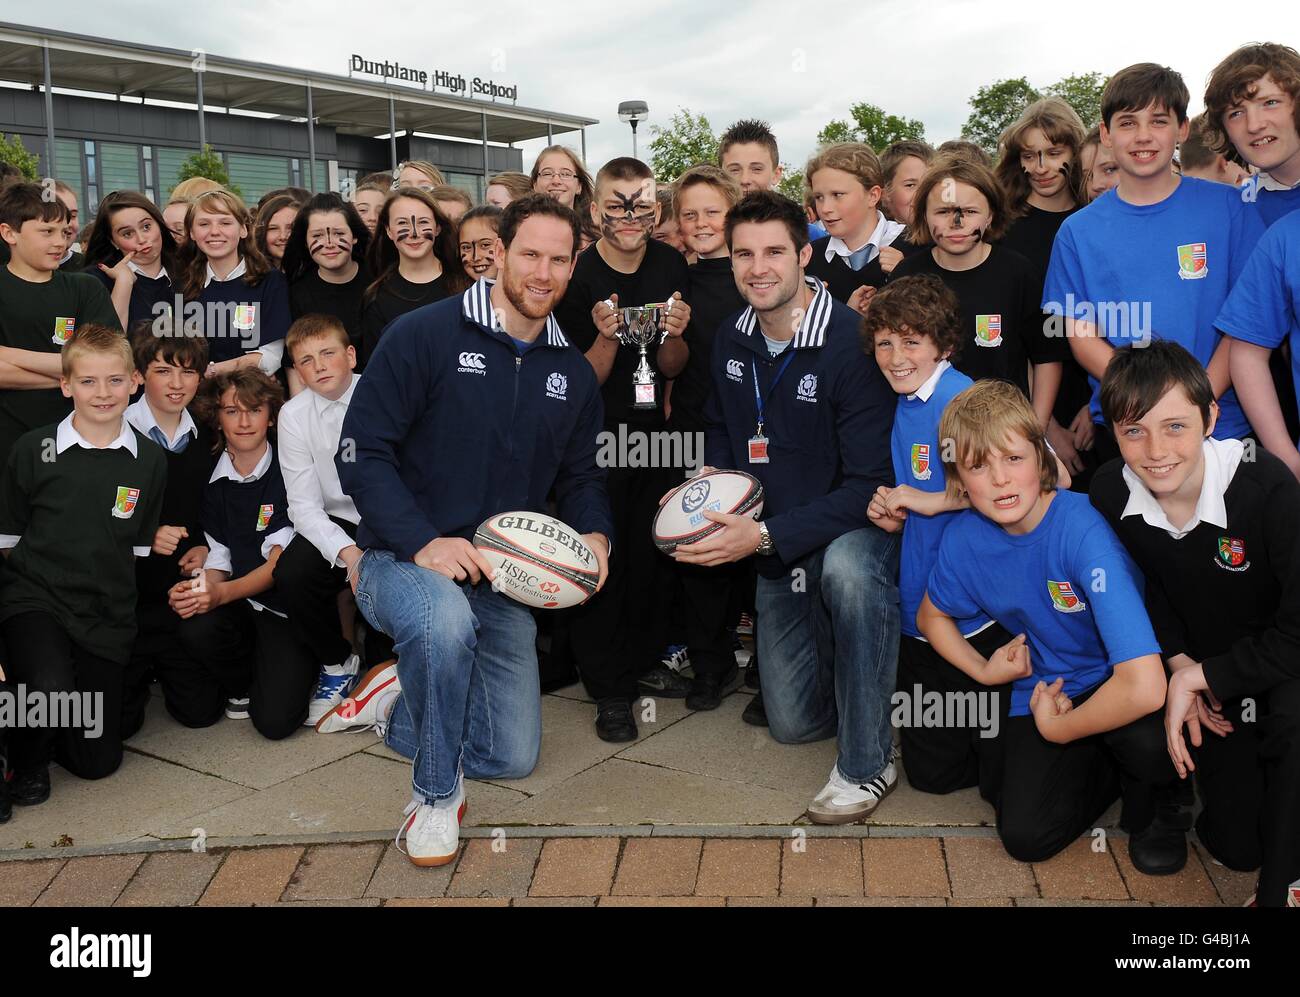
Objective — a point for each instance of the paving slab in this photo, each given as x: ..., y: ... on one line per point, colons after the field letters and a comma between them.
x: 357, y: 793
x: 134, y: 801
x: 623, y: 792
x: 233, y: 750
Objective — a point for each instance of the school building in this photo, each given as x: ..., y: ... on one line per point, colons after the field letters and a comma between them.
x: 107, y: 115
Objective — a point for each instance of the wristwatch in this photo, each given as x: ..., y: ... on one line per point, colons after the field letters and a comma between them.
x: 765, y: 544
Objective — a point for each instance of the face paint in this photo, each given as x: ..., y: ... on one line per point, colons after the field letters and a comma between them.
x: 340, y: 239
x: 410, y: 227
x: 645, y: 218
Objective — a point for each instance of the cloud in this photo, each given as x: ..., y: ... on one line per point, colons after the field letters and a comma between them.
x: 796, y: 65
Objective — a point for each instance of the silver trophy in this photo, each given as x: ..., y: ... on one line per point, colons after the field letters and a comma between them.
x: 640, y: 326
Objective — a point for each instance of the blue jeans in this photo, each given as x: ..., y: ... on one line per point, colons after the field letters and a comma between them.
x: 828, y: 649
x: 467, y: 661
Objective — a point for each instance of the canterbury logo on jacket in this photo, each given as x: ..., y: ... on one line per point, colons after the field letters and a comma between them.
x: 451, y: 424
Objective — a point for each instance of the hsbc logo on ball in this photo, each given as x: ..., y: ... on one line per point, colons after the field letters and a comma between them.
x: 472, y: 363
x: 550, y: 588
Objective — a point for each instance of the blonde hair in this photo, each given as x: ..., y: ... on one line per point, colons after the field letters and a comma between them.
x: 958, y: 169
x: 188, y: 189
x: 983, y: 418
x: 194, y: 264
x: 95, y: 338
x: 706, y: 173
x: 855, y: 158
x: 422, y: 166
x: 517, y: 184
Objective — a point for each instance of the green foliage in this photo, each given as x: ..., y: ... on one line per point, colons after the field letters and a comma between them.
x: 209, y: 165
x: 686, y: 142
x: 791, y: 184
x: 993, y: 108
x: 872, y: 126
x: 1083, y: 93
x: 13, y: 151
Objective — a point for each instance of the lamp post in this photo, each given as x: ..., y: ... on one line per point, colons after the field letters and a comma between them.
x: 633, y: 111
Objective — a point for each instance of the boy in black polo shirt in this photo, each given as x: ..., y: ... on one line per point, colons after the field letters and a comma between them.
x: 80, y: 501
x: 1214, y: 527
x: 40, y: 308
x: 616, y: 637
x: 233, y: 622
x: 171, y: 367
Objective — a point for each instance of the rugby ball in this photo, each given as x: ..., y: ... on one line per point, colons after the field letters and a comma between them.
x: 681, y: 519
x: 538, y: 560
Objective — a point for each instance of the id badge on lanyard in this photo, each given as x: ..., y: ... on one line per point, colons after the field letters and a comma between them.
x: 758, y: 442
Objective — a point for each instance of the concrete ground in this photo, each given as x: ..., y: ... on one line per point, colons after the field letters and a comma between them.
x: 701, y: 806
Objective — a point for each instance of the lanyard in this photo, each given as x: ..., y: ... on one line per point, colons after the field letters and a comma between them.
x: 759, y: 399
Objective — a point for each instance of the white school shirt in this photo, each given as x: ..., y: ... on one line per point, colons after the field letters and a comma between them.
x: 310, y: 427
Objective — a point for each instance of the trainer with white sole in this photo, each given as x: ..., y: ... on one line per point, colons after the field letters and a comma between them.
x: 798, y: 405
x: 469, y: 407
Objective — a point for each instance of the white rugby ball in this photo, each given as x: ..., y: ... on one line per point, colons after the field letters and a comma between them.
x: 681, y: 518
x: 538, y: 560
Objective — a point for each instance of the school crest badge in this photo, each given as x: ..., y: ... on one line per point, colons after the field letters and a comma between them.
x: 921, y: 461
x: 63, y: 329
x: 264, y: 514
x: 245, y: 316
x: 1191, y: 261
x: 1063, y: 598
x: 124, y: 504
x: 988, y: 330
x: 1232, y: 554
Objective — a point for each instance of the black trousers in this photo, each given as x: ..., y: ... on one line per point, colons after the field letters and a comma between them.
x: 159, y: 652
x: 239, y: 651
x: 1053, y: 793
x: 1249, y: 783
x: 619, y: 633
x: 945, y: 759
x: 709, y: 609
x: 44, y: 658
x: 309, y: 586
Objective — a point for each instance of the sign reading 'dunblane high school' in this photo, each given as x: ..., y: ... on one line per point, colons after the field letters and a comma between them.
x: 477, y: 87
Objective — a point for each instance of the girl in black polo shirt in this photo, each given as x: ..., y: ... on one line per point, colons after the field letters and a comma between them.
x: 325, y: 262
x: 132, y: 251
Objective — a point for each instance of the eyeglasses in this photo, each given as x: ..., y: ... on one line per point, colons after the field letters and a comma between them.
x: 549, y: 174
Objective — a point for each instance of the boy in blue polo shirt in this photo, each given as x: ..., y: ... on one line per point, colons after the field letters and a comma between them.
x: 1158, y: 256
x: 1262, y: 311
x: 914, y: 328
x: 1045, y: 565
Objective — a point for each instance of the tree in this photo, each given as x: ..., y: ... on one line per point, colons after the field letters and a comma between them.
x: 209, y: 165
x: 13, y: 151
x: 791, y: 184
x: 1083, y: 93
x: 873, y: 126
x: 993, y: 108
x: 688, y: 141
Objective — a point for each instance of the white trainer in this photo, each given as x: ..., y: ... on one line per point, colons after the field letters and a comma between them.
x: 432, y: 831
x: 335, y: 682
x: 843, y: 802
x: 369, y: 705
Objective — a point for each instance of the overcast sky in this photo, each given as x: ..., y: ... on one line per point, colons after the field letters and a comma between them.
x: 796, y: 64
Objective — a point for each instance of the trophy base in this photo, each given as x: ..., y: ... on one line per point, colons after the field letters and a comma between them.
x: 643, y: 396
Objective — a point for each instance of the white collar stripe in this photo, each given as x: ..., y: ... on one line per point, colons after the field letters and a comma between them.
x: 478, y: 309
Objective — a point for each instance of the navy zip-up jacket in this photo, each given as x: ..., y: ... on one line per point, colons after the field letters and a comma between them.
x: 451, y: 424
x: 827, y: 421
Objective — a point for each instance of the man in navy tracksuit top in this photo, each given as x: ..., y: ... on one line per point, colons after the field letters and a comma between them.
x: 797, y: 404
x: 470, y: 407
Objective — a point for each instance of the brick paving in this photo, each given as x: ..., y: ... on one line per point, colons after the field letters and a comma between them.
x: 611, y: 871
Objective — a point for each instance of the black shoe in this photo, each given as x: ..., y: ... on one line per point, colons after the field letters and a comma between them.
x: 662, y: 681
x: 31, y: 788
x: 1160, y: 850
x: 614, y: 722
x: 751, y: 672
x: 707, y: 690
x: 754, y: 714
